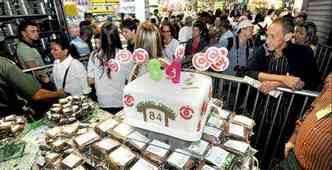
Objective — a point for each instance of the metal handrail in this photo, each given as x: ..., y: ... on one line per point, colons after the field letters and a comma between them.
x: 240, y: 79
x: 48, y: 66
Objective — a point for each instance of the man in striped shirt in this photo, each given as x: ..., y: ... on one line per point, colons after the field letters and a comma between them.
x: 312, y: 138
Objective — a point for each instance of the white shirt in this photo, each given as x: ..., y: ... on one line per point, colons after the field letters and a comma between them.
x: 268, y: 21
x: 170, y: 48
x: 185, y: 34
x: 109, y: 91
x: 76, y: 81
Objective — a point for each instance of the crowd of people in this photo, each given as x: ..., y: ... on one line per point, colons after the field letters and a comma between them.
x: 273, y: 47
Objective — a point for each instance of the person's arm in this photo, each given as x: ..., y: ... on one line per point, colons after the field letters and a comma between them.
x: 31, y: 64
x: 43, y: 94
x: 26, y: 86
x: 284, y: 80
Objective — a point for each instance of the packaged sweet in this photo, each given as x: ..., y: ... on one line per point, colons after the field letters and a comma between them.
x: 243, y: 120
x: 73, y: 160
x: 86, y: 139
x: 180, y: 159
x: 204, y: 166
x: 199, y: 148
x: 137, y: 141
x: 122, y: 131
x: 52, y: 157
x: 143, y: 164
x: 237, y: 147
x: 215, y: 121
x: 106, y: 126
x: 104, y: 146
x: 237, y: 131
x: 219, y: 157
x: 212, y: 135
x: 121, y: 158
x: 157, y: 152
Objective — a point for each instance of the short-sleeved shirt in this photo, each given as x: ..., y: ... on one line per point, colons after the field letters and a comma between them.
x: 27, y: 53
x: 169, y: 50
x: 14, y: 82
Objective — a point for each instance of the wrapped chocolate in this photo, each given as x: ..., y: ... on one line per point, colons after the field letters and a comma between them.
x: 157, y: 152
x: 86, y: 139
x: 215, y: 121
x: 137, y: 141
x: 59, y: 144
x: 79, y: 168
x: 143, y: 164
x: 105, y: 146
x: 212, y: 135
x: 219, y: 157
x: 52, y: 157
x: 180, y: 159
x: 82, y: 131
x: 204, y: 166
x: 243, y: 120
x: 106, y: 126
x: 199, y: 148
x: 70, y: 130
x: 10, y: 118
x: 54, y: 132
x: 121, y: 158
x: 122, y: 131
x: 237, y: 147
x: 5, y: 125
x: 237, y: 131
x: 56, y: 164
x: 73, y: 160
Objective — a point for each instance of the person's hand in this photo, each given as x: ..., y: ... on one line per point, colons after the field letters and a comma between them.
x: 268, y: 86
x: 288, y: 146
x: 163, y: 62
x: 292, y: 82
x: 61, y: 93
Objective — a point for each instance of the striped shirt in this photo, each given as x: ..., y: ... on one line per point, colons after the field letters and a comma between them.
x: 313, y: 137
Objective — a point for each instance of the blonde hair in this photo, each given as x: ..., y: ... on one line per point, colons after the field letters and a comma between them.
x: 148, y: 38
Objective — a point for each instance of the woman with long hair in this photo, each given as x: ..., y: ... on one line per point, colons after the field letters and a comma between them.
x: 168, y: 42
x: 148, y: 38
x: 109, y: 85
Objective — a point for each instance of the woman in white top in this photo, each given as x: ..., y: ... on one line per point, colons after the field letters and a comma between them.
x: 109, y: 85
x: 168, y: 42
x: 68, y: 73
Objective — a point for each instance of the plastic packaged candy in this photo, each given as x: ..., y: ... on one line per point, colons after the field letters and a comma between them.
x: 180, y: 159
x: 121, y: 158
x: 143, y: 164
x: 157, y: 152
x: 219, y: 157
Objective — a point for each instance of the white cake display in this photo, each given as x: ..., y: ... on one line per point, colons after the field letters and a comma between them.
x: 177, y: 110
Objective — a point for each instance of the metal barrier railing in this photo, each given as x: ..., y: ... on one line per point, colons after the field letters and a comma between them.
x: 272, y: 115
x: 323, y: 58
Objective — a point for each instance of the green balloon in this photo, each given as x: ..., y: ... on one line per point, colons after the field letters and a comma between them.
x: 154, y: 69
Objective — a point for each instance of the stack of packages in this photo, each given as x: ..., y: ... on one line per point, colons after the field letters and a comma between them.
x: 70, y: 109
x: 63, y: 146
x: 10, y: 127
x: 113, y: 144
x: 228, y: 135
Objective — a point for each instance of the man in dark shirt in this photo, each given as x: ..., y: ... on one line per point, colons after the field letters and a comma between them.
x: 14, y: 83
x: 282, y: 64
